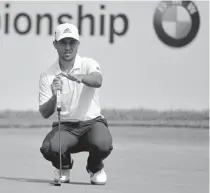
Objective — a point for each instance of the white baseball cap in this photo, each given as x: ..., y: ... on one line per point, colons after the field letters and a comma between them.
x: 66, y: 30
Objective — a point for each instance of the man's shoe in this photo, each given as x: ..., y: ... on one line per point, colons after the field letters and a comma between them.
x: 98, y: 178
x: 65, y: 175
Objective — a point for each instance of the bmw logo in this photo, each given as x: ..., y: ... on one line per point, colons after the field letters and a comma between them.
x: 176, y: 23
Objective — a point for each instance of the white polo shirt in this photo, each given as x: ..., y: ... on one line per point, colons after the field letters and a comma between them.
x: 78, y: 101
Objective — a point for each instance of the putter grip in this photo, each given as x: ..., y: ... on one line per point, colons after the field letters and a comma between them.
x: 58, y: 100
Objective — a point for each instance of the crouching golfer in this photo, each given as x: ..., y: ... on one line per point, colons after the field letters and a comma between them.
x: 83, y: 128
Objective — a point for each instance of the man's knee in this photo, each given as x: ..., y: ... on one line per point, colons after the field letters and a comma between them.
x: 102, y: 142
x: 46, y: 150
x: 51, y: 149
x: 102, y: 147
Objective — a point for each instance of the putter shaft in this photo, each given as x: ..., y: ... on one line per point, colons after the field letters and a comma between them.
x: 60, y: 159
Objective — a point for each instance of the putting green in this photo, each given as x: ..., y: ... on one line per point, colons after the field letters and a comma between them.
x: 144, y: 160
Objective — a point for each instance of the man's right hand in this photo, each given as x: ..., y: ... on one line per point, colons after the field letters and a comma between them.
x: 56, y: 85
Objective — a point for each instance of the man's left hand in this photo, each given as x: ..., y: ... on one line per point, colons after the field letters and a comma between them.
x: 73, y: 77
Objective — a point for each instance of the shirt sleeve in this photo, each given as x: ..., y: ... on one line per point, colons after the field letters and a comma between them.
x: 45, y: 92
x: 92, y: 66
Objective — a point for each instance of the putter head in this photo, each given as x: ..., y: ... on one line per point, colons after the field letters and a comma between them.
x: 57, y: 183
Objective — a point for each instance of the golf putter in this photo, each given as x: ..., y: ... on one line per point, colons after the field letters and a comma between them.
x: 59, y: 137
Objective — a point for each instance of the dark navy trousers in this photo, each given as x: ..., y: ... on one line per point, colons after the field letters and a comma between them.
x: 92, y: 136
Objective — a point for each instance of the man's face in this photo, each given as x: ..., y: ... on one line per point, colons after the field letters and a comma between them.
x: 66, y: 48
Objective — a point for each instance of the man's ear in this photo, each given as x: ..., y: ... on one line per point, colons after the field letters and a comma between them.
x: 54, y: 43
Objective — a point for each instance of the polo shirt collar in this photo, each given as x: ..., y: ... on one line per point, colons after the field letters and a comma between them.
x: 77, y: 65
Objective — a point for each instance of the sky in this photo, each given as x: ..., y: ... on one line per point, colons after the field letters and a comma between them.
x: 139, y: 71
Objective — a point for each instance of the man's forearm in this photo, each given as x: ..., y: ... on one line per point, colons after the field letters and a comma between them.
x: 48, y: 108
x: 92, y: 80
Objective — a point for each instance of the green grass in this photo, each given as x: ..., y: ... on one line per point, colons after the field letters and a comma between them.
x: 133, y: 117
x: 146, y: 160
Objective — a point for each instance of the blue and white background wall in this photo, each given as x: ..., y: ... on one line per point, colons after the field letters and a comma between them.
x: 139, y: 69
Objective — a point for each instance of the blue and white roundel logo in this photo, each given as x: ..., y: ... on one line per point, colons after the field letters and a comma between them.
x: 176, y: 23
